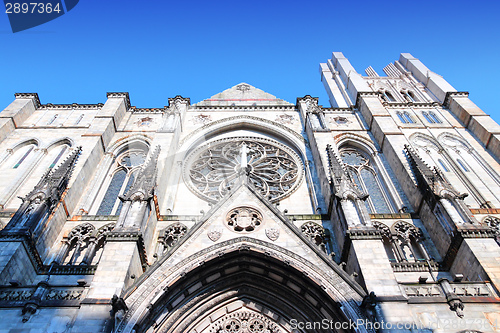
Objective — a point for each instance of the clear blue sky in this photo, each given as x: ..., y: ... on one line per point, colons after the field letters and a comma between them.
x: 156, y: 49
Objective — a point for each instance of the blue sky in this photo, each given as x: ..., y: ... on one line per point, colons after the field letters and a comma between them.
x: 159, y: 49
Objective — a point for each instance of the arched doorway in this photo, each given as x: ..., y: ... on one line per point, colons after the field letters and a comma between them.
x: 243, y: 291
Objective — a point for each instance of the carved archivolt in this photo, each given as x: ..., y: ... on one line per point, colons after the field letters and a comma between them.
x: 274, y: 169
x: 244, y: 322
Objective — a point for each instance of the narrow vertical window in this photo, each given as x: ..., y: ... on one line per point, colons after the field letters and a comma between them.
x: 428, y: 118
x: 58, y: 157
x: 52, y: 119
x: 443, y: 166
x: 21, y: 160
x: 408, y: 117
x: 401, y: 118
x: 112, y: 193
x: 389, y: 96
x: 79, y: 119
x: 463, y: 165
x: 435, y: 117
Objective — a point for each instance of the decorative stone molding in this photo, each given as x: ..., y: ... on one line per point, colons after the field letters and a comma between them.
x: 451, y: 94
x: 314, y: 231
x: 120, y: 95
x: 285, y: 119
x: 202, y: 119
x: 172, y: 234
x: 33, y: 96
x: 243, y: 219
x: 214, y: 234
x: 244, y: 322
x: 230, y: 120
x: 273, y: 233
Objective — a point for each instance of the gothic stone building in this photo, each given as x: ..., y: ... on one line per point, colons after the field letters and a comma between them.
x: 247, y: 213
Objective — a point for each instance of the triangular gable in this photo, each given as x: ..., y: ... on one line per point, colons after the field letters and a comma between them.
x: 211, y: 229
x: 243, y: 94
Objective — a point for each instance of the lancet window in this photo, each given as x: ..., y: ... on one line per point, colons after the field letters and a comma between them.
x: 405, y: 117
x: 364, y: 175
x: 409, y: 95
x: 120, y: 179
x: 431, y: 117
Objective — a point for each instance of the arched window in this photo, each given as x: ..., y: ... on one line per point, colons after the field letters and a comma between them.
x: 168, y: 237
x: 428, y: 118
x: 365, y: 177
x: 408, y: 117
x: 122, y: 177
x: 24, y: 152
x: 402, y: 118
x: 402, y: 242
x: 434, y: 117
x: 443, y: 165
x: 77, y: 244
x: 462, y: 165
x: 408, y: 95
x: 83, y: 246
x: 387, y: 96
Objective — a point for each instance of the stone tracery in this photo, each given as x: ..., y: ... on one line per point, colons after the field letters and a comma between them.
x: 272, y: 168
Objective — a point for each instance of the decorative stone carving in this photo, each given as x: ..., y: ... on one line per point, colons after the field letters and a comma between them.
x: 214, y: 234
x: 202, y: 119
x: 243, y: 87
x: 243, y: 219
x: 272, y: 233
x: 172, y: 234
x: 62, y: 294
x: 274, y: 169
x: 144, y: 121
x: 494, y: 224
x: 244, y: 322
x: 285, y: 119
x: 340, y: 121
x: 314, y: 231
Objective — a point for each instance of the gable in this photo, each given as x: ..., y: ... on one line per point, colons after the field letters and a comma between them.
x: 243, y: 94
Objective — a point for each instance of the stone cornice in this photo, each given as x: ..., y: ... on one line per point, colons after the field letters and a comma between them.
x: 365, y: 233
x: 33, y: 96
x: 171, y: 101
x: 471, y: 231
x: 134, y: 109
x: 120, y: 95
x: 71, y: 107
x: 207, y: 108
x: 130, y: 236
x: 450, y: 94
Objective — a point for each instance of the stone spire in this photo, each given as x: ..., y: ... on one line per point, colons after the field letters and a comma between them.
x: 42, y: 200
x: 430, y: 180
x: 143, y: 187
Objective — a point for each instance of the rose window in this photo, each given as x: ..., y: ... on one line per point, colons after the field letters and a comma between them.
x: 274, y: 169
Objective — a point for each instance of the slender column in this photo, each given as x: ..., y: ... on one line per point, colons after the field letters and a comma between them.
x: 75, y: 253
x: 63, y: 252
x: 89, y: 254
x: 396, y: 249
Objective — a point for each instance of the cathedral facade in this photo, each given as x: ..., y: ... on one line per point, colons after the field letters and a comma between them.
x: 247, y: 213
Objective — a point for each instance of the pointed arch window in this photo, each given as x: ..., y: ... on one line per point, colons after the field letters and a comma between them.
x: 365, y: 177
x: 434, y: 116
x: 401, y: 117
x: 122, y: 177
x: 409, y: 95
x: 387, y: 96
x: 29, y: 149
x: 462, y: 165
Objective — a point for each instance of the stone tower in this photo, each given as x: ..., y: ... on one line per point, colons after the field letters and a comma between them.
x: 246, y: 213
